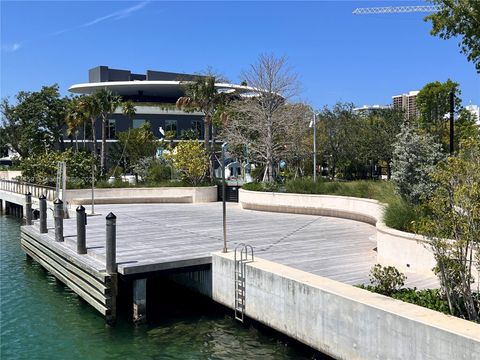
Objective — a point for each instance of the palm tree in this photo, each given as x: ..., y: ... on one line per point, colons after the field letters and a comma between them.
x: 75, y: 118
x: 107, y: 104
x: 201, y: 95
x: 89, y: 110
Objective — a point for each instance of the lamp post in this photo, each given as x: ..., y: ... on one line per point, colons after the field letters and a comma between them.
x: 314, y: 124
x: 224, y: 149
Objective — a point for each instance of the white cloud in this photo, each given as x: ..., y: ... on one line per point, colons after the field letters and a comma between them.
x: 117, y: 15
x: 11, y: 47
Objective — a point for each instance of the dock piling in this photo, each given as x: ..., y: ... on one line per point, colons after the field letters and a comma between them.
x: 81, y: 222
x: 58, y: 219
x: 43, y: 214
x: 111, y: 260
x: 28, y: 208
x: 139, y: 301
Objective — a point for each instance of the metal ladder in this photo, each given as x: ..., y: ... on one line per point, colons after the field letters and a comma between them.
x: 243, y: 255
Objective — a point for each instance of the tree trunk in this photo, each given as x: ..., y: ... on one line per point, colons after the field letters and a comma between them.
x: 102, y: 151
x: 94, y: 140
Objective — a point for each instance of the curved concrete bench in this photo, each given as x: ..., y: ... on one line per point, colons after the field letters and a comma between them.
x: 406, y: 251
x: 133, y: 200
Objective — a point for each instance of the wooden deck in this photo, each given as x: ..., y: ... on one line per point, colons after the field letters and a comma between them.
x: 162, y: 236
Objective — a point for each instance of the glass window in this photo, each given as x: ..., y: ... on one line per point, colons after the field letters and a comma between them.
x: 197, y: 127
x: 171, y: 128
x: 111, y: 129
x: 136, y: 123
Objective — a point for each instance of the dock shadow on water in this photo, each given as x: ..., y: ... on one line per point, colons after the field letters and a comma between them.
x: 43, y: 319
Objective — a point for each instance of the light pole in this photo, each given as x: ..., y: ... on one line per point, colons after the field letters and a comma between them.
x: 224, y: 149
x: 314, y: 124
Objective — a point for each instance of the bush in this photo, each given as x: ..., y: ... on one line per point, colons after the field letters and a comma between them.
x: 159, y: 171
x: 386, y: 279
x: 259, y: 186
x: 42, y: 169
x: 191, y: 161
x: 401, y: 215
x: 429, y: 298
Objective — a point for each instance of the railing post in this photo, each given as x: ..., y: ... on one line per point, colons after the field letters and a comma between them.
x: 81, y: 222
x: 28, y: 208
x: 43, y: 214
x: 58, y: 218
x: 111, y: 244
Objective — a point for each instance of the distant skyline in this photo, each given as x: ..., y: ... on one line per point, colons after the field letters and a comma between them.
x: 338, y: 56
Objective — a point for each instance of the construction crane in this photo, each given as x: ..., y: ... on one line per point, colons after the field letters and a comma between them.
x: 396, y: 9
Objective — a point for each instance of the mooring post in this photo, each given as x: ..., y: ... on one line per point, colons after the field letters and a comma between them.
x: 139, y: 301
x: 28, y: 208
x: 111, y: 264
x: 58, y: 219
x: 43, y: 214
x: 81, y: 222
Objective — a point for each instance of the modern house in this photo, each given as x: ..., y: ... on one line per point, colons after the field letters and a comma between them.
x: 154, y: 94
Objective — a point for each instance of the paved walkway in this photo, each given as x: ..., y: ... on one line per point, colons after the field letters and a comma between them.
x: 153, y: 234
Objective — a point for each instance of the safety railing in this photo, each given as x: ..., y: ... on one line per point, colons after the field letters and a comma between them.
x: 20, y: 187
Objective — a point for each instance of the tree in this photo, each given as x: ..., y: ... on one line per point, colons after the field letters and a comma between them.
x: 107, y: 104
x: 376, y: 135
x: 74, y: 119
x: 35, y: 124
x: 414, y: 159
x: 262, y: 119
x: 459, y: 18
x: 338, y: 134
x: 433, y: 103
x: 453, y: 228
x: 191, y: 161
x: 89, y: 109
x: 137, y: 144
x: 201, y: 95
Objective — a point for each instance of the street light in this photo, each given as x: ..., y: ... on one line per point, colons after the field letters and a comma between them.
x: 224, y: 149
x: 314, y: 124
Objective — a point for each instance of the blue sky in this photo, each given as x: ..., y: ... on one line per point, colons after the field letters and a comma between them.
x: 338, y: 56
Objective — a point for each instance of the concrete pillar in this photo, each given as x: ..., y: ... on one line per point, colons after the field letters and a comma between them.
x: 43, y: 214
x: 81, y: 222
x: 139, y: 301
x: 58, y: 219
x: 28, y: 208
x: 110, y: 248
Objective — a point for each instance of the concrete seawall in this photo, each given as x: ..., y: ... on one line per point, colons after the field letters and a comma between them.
x: 340, y: 320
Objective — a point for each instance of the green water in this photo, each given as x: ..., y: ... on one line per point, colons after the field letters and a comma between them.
x: 42, y: 319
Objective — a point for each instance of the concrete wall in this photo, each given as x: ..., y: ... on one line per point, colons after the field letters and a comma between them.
x: 198, y: 194
x: 343, y: 321
x: 9, y: 174
x: 407, y: 252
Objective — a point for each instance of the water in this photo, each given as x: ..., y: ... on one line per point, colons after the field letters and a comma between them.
x: 42, y: 319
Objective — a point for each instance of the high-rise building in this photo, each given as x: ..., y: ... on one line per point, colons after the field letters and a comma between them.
x: 408, y: 103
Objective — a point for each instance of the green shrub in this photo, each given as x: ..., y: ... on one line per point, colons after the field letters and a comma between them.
x: 42, y: 168
x: 401, y: 215
x: 259, y: 186
x: 386, y: 279
x: 429, y: 298
x: 159, y: 171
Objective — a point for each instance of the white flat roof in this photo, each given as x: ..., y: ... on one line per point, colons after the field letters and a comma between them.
x: 149, y: 88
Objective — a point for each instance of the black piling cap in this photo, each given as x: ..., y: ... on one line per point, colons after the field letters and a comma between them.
x: 28, y: 193
x: 42, y: 197
x: 111, y: 216
x: 80, y: 208
x: 58, y: 201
